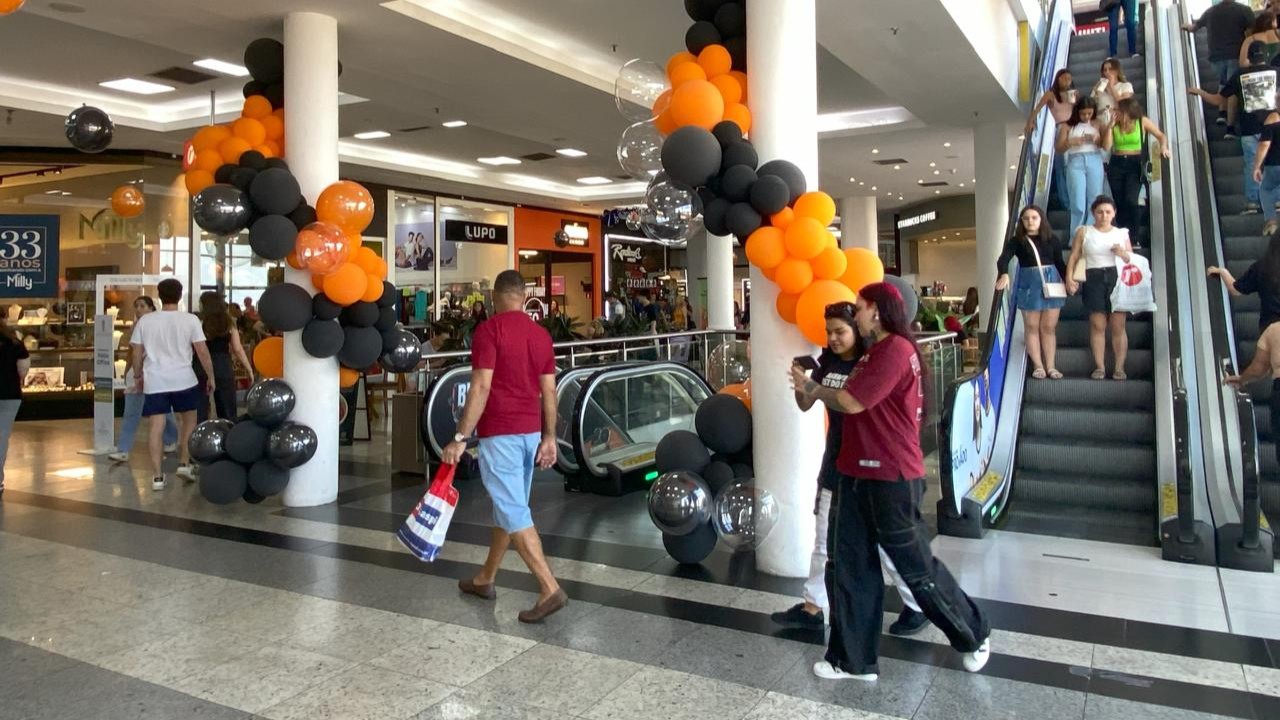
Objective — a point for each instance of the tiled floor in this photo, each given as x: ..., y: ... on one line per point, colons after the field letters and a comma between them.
x: 116, y: 601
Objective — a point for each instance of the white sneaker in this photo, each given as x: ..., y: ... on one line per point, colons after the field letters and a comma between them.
x: 157, y: 482
x: 171, y: 448
x: 976, y: 660
x: 827, y: 671
x: 118, y: 457
x: 187, y: 472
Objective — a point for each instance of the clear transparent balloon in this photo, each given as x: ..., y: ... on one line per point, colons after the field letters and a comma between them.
x: 743, y: 515
x: 669, y: 210
x: 640, y: 150
x: 679, y: 501
x: 637, y: 88
x: 728, y: 364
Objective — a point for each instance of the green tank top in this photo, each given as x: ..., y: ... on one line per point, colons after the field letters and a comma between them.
x: 1127, y: 143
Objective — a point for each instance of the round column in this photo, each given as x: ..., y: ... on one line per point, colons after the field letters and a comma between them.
x: 788, y: 444
x: 311, y: 132
x: 858, y: 226
x: 719, y: 282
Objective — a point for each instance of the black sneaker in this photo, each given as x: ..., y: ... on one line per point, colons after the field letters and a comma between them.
x: 908, y: 623
x: 797, y: 616
x: 1230, y: 134
x: 1221, y: 120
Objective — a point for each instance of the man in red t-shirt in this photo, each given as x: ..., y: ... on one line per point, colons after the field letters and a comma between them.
x: 512, y: 406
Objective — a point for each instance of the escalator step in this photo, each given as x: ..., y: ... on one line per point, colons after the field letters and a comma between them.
x: 1075, y: 333
x: 1053, y: 423
x: 1097, y: 458
x: 1085, y: 524
x: 1246, y: 327
x: 1085, y: 392
x: 1078, y: 363
x: 1246, y: 248
x: 1241, y: 225
x: 1246, y: 303
x: 1075, y: 492
x: 1228, y: 165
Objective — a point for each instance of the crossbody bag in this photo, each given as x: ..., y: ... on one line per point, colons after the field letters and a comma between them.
x: 1050, y: 291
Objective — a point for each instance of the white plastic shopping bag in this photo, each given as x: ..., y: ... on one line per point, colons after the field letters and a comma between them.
x: 424, y: 530
x: 1132, y: 292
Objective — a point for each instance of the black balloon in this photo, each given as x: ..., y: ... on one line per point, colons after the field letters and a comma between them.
x: 705, y: 195
x: 789, y: 173
x: 223, y: 482
x: 735, y: 184
x: 769, y: 195
x: 285, y: 307
x: 264, y: 58
x: 89, y: 129
x: 743, y: 220
x: 252, y: 497
x: 691, y: 156
x: 737, y: 47
x: 405, y: 355
x: 718, y: 475
x: 267, y: 478
x: 324, y: 308
x: 360, y: 314
x: 714, y: 216
x: 247, y: 442
x: 322, y: 338
x: 700, y: 35
x: 389, y: 295
x: 270, y: 401
x: 253, y: 159
x: 724, y: 424
x: 743, y: 471
x: 693, y: 548
x: 243, y: 177
x: 275, y: 94
x: 253, y: 87
x: 681, y: 450
x: 272, y: 237
x: 387, y: 319
x: 739, y: 153
x: 208, y: 441
x: 291, y: 445
x: 275, y: 192
x: 302, y: 215
x: 223, y: 174
x: 276, y: 162
x: 221, y: 209
x: 727, y: 132
x: 702, y: 9
x: 360, y: 348
x: 731, y: 20
x: 389, y: 339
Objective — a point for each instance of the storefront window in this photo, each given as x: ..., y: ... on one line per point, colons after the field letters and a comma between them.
x: 412, y: 229
x: 475, y: 245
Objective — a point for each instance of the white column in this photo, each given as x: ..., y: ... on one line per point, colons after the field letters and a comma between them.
x: 696, y: 272
x: 991, y: 204
x: 719, y: 282
x: 782, y: 72
x: 858, y: 226
x: 311, y: 131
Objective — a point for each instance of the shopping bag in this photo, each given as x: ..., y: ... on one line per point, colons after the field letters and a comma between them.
x: 1132, y: 292
x: 424, y: 530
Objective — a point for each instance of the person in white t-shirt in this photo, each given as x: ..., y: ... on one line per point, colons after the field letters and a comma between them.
x: 162, y: 345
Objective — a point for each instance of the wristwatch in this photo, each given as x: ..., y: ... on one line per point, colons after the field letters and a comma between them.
x: 459, y: 437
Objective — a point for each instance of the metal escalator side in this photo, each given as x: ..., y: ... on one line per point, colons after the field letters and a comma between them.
x: 1230, y: 422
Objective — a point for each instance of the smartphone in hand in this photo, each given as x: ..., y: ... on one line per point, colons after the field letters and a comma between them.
x: 806, y: 362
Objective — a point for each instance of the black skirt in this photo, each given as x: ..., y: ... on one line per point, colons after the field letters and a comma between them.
x: 1098, y: 284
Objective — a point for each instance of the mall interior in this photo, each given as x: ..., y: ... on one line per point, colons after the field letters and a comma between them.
x: 643, y: 167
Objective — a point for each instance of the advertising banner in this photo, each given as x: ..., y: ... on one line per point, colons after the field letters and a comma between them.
x: 29, y: 256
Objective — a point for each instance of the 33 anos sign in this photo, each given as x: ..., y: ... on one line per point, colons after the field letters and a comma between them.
x: 29, y: 256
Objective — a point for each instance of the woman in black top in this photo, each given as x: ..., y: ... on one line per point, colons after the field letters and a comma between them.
x: 1263, y: 278
x: 223, y: 339
x: 1039, y: 313
x: 15, y: 361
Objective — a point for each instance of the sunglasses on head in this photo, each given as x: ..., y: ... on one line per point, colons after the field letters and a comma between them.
x: 843, y: 310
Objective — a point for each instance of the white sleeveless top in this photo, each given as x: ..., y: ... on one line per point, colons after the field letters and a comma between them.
x: 1097, y: 246
x: 1082, y: 130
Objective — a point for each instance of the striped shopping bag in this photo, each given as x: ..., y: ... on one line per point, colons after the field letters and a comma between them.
x: 424, y: 530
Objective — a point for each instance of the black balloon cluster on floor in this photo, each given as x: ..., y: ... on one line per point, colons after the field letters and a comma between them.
x: 250, y: 459
x: 718, y: 22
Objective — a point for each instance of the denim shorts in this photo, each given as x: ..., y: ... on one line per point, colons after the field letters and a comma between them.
x: 179, y: 401
x: 506, y: 470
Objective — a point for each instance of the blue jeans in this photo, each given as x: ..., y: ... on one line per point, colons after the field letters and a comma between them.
x: 8, y: 413
x: 1084, y: 183
x: 1269, y: 192
x: 1224, y: 69
x: 129, y: 423
x: 506, y: 471
x: 1249, y: 146
x: 1060, y: 178
x: 1130, y: 26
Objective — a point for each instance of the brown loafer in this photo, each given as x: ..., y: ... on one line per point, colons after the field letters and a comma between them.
x: 470, y: 587
x: 545, y: 608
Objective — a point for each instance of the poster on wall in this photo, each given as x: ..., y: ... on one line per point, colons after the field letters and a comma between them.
x: 29, y: 256
x: 415, y: 253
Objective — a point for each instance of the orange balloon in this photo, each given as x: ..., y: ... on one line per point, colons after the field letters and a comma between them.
x: 265, y: 149
x: 766, y: 248
x: 686, y: 72
x: 278, y: 112
x: 277, y: 148
x: 782, y: 219
x: 346, y: 204
x: 738, y: 113
x: 208, y: 160
x: 864, y: 268
x: 348, y: 377
x: 817, y: 205
x: 382, y: 269
x: 256, y: 107
x: 729, y: 89
x: 804, y: 238
x: 268, y: 357
x: 11, y: 6
x: 812, y: 308
x: 679, y: 59
x: 662, y: 103
x: 665, y: 123
x: 317, y: 282
x: 697, y: 102
x: 197, y: 180
x: 830, y: 264
x: 786, y: 305
x: 346, y: 285
x: 321, y: 248
x: 249, y: 130
x: 274, y: 127
x: 127, y: 201
x: 366, y: 259
x: 829, y: 240
x: 793, y: 275
x: 292, y: 259
x: 373, y: 288
x: 741, y: 77
x: 715, y: 60
x: 232, y: 148
x: 742, y: 391
x: 208, y: 137
x: 769, y: 273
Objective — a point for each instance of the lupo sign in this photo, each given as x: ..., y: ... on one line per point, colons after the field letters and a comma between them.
x: 475, y: 232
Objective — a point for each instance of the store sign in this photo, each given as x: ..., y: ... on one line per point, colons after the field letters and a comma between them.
x: 29, y: 256
x: 642, y: 283
x: 188, y: 155
x: 633, y: 254
x: 578, y: 233
x: 475, y: 232
x: 920, y: 219
x: 535, y: 309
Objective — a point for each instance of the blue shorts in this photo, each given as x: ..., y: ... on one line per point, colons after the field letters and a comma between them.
x: 179, y: 401
x: 506, y: 470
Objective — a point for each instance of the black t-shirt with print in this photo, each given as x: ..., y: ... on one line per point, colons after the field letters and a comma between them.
x: 10, y: 353
x: 1255, y: 88
x: 832, y: 372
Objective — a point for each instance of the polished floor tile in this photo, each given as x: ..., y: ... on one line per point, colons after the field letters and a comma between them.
x: 262, y: 678
x: 960, y: 694
x: 734, y: 656
x: 776, y: 706
x: 657, y: 693
x: 554, y: 679
x: 898, y: 692
x: 169, y: 660
x: 464, y: 705
x: 364, y: 692
x: 1265, y: 681
x: 1169, y: 667
x: 453, y: 654
x: 1099, y: 707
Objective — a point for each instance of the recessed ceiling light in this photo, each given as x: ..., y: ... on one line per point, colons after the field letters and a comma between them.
x: 861, y: 183
x: 1013, y: 167
x: 570, y: 152
x: 933, y: 164
x: 499, y: 160
x: 897, y: 167
x: 937, y: 172
x: 594, y: 180
x: 454, y: 124
x: 937, y: 192
x: 853, y: 180
x: 135, y: 86
x: 222, y: 66
x: 873, y: 187
x: 1022, y: 137
x: 946, y: 144
x: 961, y: 184
x: 875, y: 151
x: 371, y: 135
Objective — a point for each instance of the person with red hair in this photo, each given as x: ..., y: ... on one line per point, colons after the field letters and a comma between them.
x: 878, y: 499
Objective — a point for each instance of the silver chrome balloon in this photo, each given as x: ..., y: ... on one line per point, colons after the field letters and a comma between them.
x: 89, y: 129
x: 404, y: 353
x: 291, y: 445
x: 208, y: 442
x: 744, y: 515
x: 270, y: 401
x: 679, y: 501
x: 221, y: 209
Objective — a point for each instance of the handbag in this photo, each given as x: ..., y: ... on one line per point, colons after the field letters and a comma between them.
x: 1080, y: 272
x: 1050, y: 291
x: 424, y: 530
